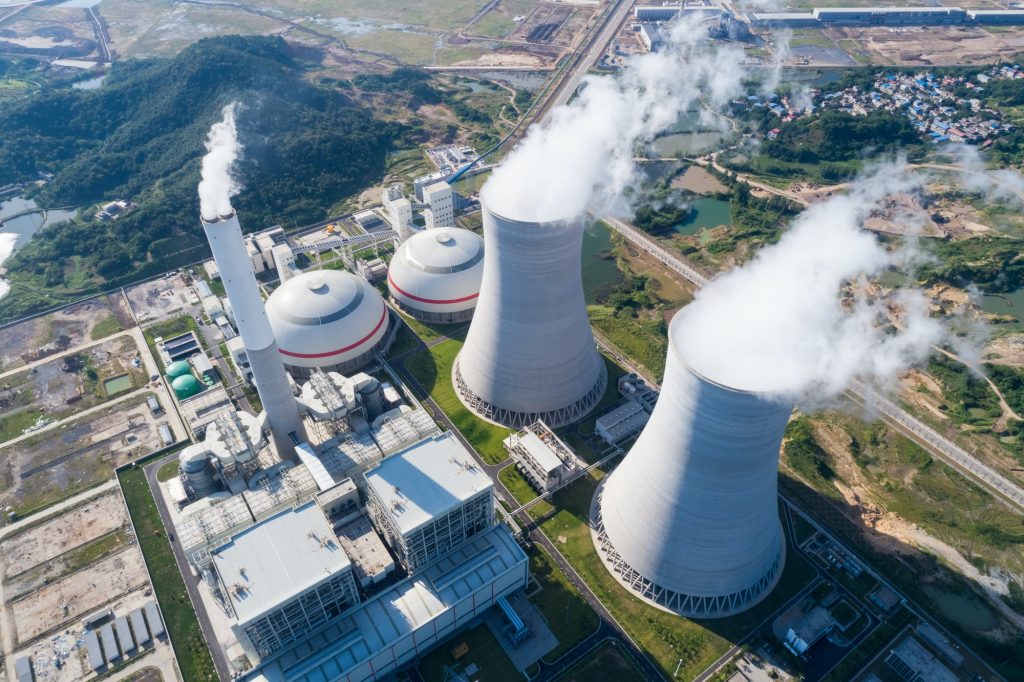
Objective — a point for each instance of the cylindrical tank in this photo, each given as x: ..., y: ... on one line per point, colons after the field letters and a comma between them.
x: 435, y: 275
x: 178, y: 368
x: 194, y: 462
x: 529, y: 353
x: 186, y: 386
x: 373, y: 399
x: 689, y: 519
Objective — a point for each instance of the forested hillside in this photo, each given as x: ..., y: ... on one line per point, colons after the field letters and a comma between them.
x: 140, y: 137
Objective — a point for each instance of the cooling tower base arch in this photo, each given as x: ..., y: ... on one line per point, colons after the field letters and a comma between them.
x: 517, y: 420
x: 679, y: 603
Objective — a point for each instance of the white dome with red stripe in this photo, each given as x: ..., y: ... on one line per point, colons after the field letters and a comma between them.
x: 326, y: 318
x: 438, y: 271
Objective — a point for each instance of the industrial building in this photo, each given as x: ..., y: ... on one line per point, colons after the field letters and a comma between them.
x: 886, y: 16
x: 689, y: 519
x: 399, y: 211
x: 441, y: 211
x: 802, y: 635
x: 428, y: 499
x: 541, y: 456
x: 435, y: 275
x: 236, y: 272
x: 530, y: 354
x: 327, y: 319
x: 622, y: 422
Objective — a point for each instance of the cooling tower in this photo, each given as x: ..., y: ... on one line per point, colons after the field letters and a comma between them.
x: 689, y: 520
x: 236, y: 273
x: 530, y: 353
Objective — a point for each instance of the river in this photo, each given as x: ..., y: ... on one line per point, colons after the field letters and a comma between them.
x: 17, y: 232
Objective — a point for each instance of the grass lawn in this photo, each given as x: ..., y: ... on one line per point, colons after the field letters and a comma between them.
x: 517, y: 484
x: 433, y: 370
x: 484, y: 650
x: 607, y: 662
x: 643, y: 341
x: 90, y: 553
x: 12, y: 426
x: 570, y: 617
x: 405, y: 341
x: 169, y: 329
x: 430, y: 331
x: 182, y: 625
x: 108, y: 326
x: 167, y: 470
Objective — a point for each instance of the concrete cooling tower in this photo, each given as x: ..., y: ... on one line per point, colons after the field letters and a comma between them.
x: 236, y: 273
x: 689, y: 520
x: 529, y: 353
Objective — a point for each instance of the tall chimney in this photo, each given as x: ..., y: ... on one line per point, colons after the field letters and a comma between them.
x: 236, y: 272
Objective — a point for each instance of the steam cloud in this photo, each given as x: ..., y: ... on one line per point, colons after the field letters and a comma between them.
x: 222, y: 148
x: 779, y: 324
x: 581, y: 157
x: 7, y: 242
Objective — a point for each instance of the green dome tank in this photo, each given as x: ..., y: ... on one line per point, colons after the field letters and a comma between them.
x: 177, y: 369
x: 186, y: 386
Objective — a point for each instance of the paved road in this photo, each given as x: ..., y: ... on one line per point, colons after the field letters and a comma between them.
x: 939, y: 446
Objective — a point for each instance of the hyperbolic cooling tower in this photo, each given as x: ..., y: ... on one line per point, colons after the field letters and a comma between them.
x: 530, y: 353
x: 236, y: 273
x: 689, y: 519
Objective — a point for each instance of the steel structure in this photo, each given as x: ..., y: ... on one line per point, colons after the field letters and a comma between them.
x: 236, y: 272
x: 530, y: 355
x: 689, y: 520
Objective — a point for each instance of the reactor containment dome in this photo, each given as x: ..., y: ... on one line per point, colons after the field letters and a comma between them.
x: 530, y: 355
x: 689, y: 520
x: 327, y: 319
x: 435, y: 275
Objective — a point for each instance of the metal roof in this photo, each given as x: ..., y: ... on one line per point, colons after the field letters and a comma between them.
x: 427, y: 480
x: 278, y: 558
x: 540, y: 452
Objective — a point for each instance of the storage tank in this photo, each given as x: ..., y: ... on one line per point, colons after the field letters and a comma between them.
x: 329, y: 319
x: 529, y: 354
x: 186, y: 386
x: 372, y: 397
x: 689, y: 520
x: 194, y: 463
x: 178, y: 368
x: 435, y: 275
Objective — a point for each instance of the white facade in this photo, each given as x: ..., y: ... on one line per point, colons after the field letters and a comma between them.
x: 442, y: 206
x: 689, y: 519
x: 435, y: 275
x: 284, y: 261
x: 530, y: 354
x: 239, y: 279
x: 329, y: 319
x: 399, y: 210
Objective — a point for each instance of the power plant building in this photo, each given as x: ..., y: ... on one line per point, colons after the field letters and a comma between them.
x: 236, y: 272
x: 435, y: 275
x: 541, y: 456
x: 327, y: 319
x: 283, y: 578
x: 440, y: 198
x: 530, y: 354
x: 429, y: 499
x: 689, y: 519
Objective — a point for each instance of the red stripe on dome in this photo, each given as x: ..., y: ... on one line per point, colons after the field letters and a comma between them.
x: 328, y: 354
x: 429, y: 300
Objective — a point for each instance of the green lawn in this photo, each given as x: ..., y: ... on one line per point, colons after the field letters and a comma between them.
x: 433, y: 370
x: 484, y: 650
x: 607, y: 662
x: 12, y: 426
x: 189, y: 645
x: 517, y: 484
x: 570, y: 617
x: 108, y: 326
x: 430, y: 331
x: 167, y: 470
x: 405, y: 341
x: 642, y: 341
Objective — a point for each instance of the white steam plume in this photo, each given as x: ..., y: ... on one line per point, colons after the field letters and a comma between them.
x: 779, y: 325
x: 217, y: 185
x: 581, y: 157
x: 1004, y: 184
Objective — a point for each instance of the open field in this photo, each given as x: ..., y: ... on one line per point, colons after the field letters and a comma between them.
x: 159, y: 299
x: 82, y: 524
x: 15, y: 587
x: 78, y: 594
x: 34, y: 339
x: 179, y: 616
x: 61, y: 387
x: 59, y: 462
x: 606, y: 662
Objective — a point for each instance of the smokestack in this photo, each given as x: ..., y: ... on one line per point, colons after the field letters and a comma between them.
x: 689, y: 519
x: 530, y: 353
x: 225, y: 236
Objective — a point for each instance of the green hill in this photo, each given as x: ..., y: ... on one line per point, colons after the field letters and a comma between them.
x: 140, y: 137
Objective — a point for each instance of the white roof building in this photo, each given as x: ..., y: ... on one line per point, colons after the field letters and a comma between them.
x: 328, y: 319
x: 435, y: 275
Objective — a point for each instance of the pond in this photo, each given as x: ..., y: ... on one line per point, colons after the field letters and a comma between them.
x: 970, y: 613
x: 1011, y: 304
x: 708, y: 212
x: 600, y: 274
x: 16, y: 232
x: 117, y: 385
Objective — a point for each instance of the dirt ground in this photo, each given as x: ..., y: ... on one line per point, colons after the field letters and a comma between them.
x: 160, y: 298
x: 61, y: 461
x: 78, y: 594
x: 1006, y: 350
x: 36, y: 338
x: 954, y: 46
x: 55, y: 537
x: 696, y: 179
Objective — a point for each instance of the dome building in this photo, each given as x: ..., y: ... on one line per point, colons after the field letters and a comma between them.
x: 186, y: 386
x: 177, y: 369
x: 435, y: 275
x: 327, y: 319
